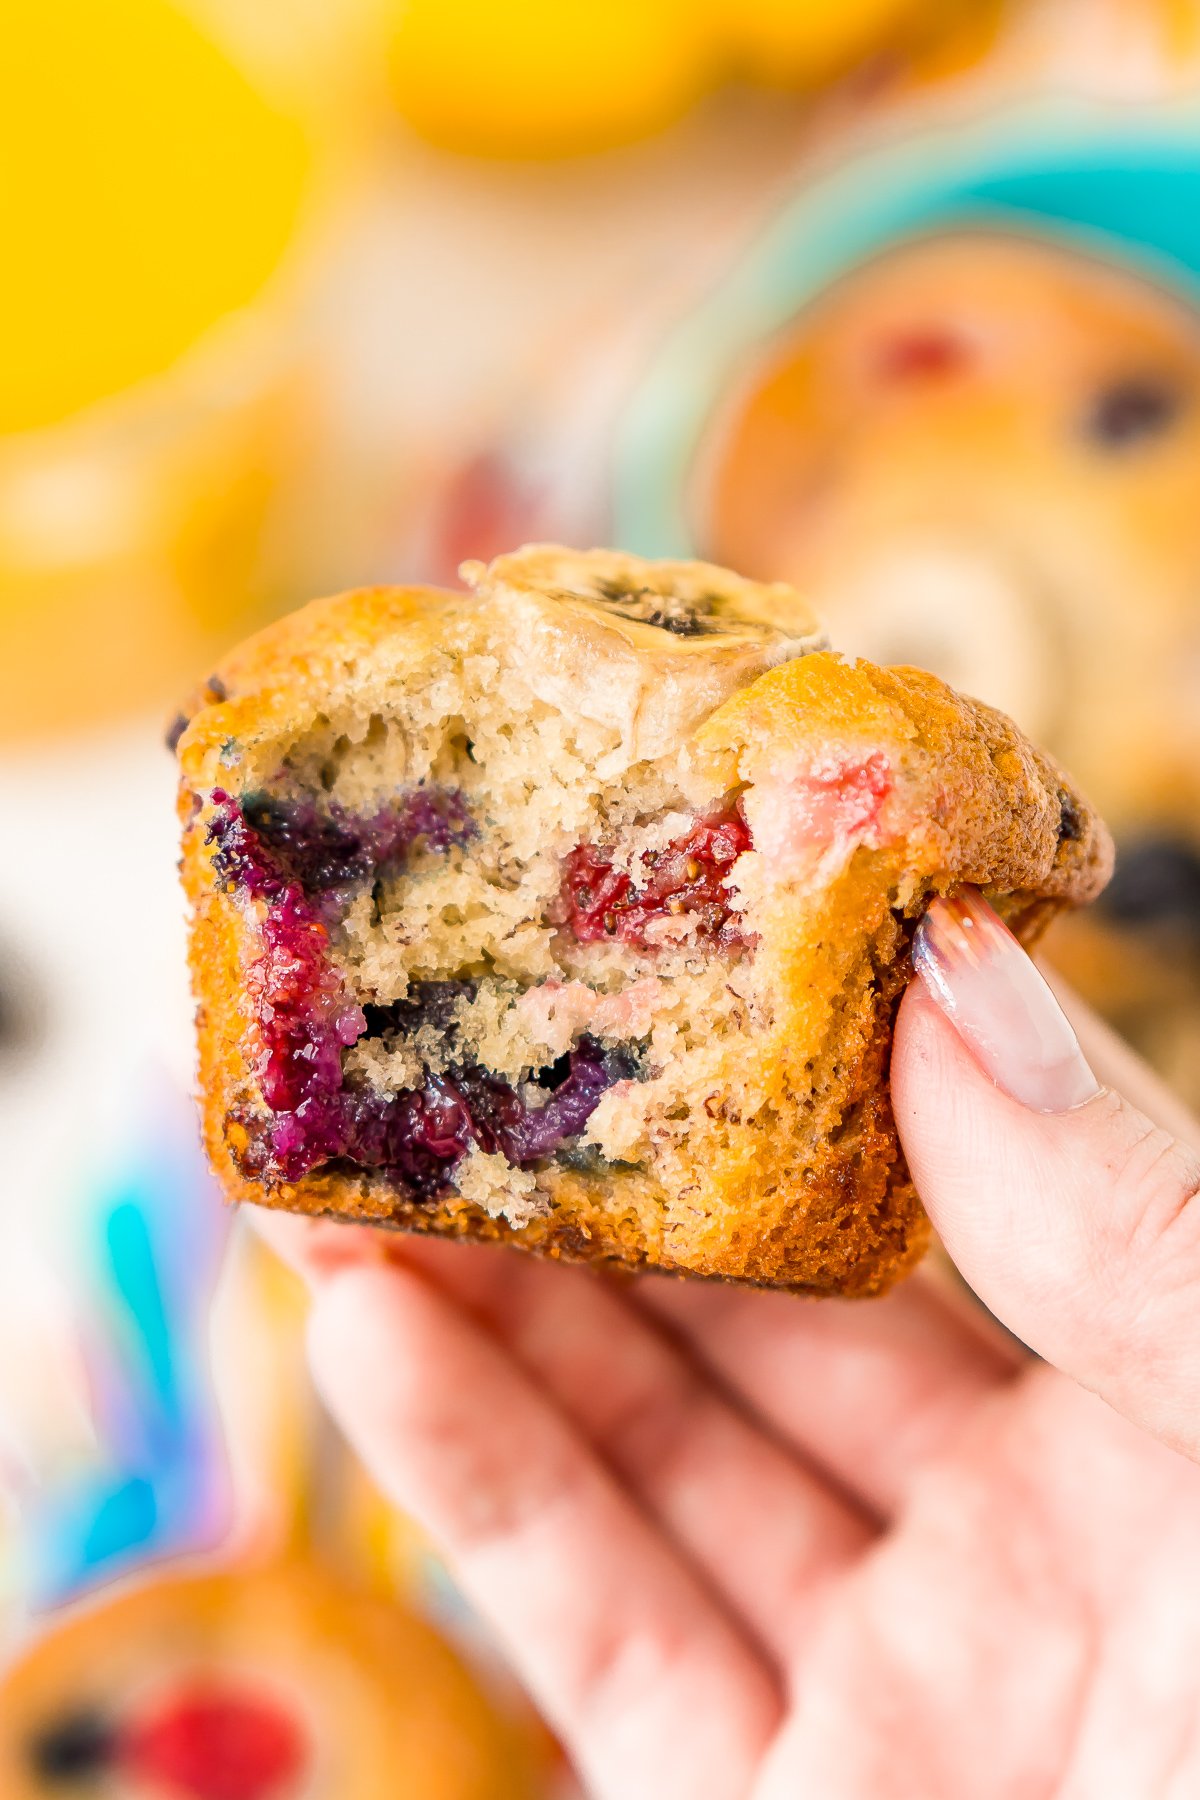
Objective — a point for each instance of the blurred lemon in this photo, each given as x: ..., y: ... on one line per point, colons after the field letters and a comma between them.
x: 550, y: 77
x: 153, y: 393
x: 544, y: 77
x: 152, y: 190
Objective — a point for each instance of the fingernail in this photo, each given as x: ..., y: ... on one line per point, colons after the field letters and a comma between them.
x: 999, y: 1004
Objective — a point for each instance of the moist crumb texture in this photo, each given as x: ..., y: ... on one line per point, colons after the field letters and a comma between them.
x: 574, y: 911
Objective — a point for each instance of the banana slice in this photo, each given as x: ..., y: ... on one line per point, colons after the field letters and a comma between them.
x: 646, y: 648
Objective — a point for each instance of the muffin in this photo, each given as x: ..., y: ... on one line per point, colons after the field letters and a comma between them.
x: 574, y: 912
x: 269, y: 1681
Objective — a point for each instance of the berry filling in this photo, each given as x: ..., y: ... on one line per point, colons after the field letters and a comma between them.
x: 687, y: 882
x: 418, y: 1136
x: 305, y: 866
x: 263, y: 844
x: 206, y: 1743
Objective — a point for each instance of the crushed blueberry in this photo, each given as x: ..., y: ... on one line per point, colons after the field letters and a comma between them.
x: 1070, y: 822
x: 1132, y: 410
x: 542, y: 1131
x: 426, y: 1003
x: 264, y: 844
x: 416, y: 1137
x: 686, y: 879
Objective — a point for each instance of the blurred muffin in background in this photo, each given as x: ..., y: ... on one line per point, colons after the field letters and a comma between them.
x: 156, y: 390
x: 278, y: 1681
x: 982, y: 455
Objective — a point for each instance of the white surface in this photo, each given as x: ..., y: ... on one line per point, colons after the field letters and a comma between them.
x: 92, y: 916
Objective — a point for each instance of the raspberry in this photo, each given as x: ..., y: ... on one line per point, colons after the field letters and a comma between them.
x: 687, y: 880
x: 923, y: 355
x: 215, y: 1744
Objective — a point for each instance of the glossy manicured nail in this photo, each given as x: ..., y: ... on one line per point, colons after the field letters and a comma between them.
x: 999, y: 1004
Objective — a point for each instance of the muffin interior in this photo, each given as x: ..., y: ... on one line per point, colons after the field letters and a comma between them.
x: 501, y: 935
x: 471, y: 938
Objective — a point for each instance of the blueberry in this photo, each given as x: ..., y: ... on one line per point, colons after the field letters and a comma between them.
x: 175, y: 731
x: 592, y: 1070
x: 1132, y: 410
x: 72, y: 1747
x: 426, y: 1003
x: 317, y: 850
x: 264, y: 843
x: 415, y: 1138
x: 1070, y: 822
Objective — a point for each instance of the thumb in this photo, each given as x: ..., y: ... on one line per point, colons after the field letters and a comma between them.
x: 1074, y: 1217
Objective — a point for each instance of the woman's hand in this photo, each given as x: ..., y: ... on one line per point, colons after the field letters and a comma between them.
x: 742, y: 1544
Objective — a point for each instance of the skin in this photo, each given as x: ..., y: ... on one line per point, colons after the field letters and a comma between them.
x: 741, y: 1544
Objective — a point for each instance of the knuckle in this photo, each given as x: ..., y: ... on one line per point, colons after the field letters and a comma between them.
x: 1151, y: 1252
x: 1156, y: 1180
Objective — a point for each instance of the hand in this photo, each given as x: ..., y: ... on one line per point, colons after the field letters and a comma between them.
x: 740, y: 1544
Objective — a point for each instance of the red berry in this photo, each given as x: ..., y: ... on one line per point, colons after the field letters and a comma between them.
x: 215, y: 1744
x: 687, y: 878
x: 923, y: 355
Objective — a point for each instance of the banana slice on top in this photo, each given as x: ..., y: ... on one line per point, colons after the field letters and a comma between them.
x: 646, y: 648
